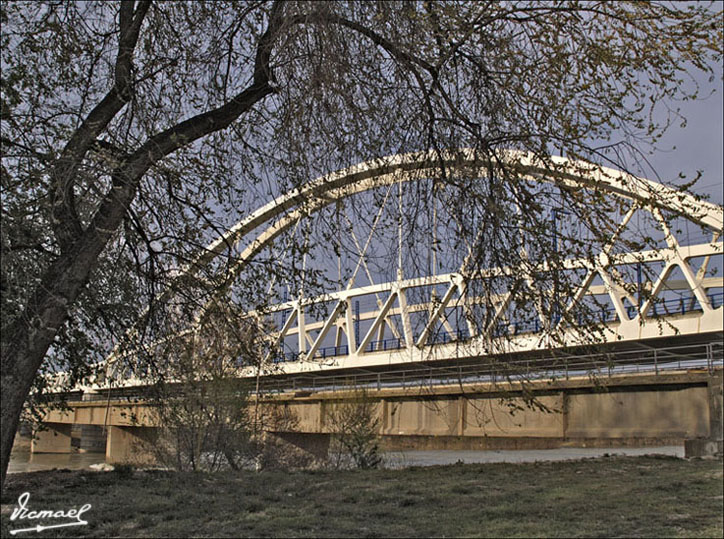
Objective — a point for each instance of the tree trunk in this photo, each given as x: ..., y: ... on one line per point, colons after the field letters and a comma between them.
x: 32, y: 332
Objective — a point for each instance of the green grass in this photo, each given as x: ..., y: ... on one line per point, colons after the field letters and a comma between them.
x: 639, y: 497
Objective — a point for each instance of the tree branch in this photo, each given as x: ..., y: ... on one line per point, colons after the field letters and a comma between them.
x: 67, y: 225
x: 381, y: 41
x: 127, y: 176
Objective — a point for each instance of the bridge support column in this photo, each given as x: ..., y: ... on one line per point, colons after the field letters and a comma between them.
x: 92, y: 439
x: 714, y: 444
x: 716, y: 405
x: 384, y: 421
x: 565, y: 404
x: 130, y: 445
x: 462, y: 414
x: 54, y: 439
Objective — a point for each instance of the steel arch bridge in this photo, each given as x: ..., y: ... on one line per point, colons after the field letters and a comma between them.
x: 390, y: 330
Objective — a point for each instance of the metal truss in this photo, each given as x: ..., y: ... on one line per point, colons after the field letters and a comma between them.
x: 390, y: 337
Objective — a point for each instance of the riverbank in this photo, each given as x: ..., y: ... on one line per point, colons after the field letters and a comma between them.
x: 614, y: 496
x: 25, y: 461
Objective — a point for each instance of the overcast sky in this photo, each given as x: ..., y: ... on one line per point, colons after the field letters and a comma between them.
x: 698, y: 146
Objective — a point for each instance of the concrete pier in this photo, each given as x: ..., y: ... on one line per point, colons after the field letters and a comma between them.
x: 92, y: 439
x: 711, y: 444
x: 130, y: 445
x: 53, y: 438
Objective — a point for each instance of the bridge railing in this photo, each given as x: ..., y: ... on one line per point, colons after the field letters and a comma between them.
x: 699, y: 357
x: 707, y: 357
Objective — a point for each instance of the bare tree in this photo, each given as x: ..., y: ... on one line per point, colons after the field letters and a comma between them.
x: 134, y: 132
x: 355, y: 426
x: 205, y: 416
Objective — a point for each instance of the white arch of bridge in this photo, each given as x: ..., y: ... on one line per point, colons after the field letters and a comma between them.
x: 264, y: 225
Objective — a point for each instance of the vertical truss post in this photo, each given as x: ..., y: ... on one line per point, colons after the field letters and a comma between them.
x: 399, y: 230
x: 356, y: 323
x: 555, y: 311
x: 405, y: 317
x: 349, y: 328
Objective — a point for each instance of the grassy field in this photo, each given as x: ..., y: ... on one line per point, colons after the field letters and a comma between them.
x: 617, y: 496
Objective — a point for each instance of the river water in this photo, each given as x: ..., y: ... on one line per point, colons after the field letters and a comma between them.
x: 24, y: 461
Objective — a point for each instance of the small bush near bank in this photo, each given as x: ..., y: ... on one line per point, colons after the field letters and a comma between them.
x: 123, y: 470
x: 355, y: 426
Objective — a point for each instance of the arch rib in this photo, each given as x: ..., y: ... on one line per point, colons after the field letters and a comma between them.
x: 313, y: 196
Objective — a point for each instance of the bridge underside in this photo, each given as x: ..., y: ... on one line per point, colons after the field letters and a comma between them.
x: 657, y: 392
x: 664, y: 408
